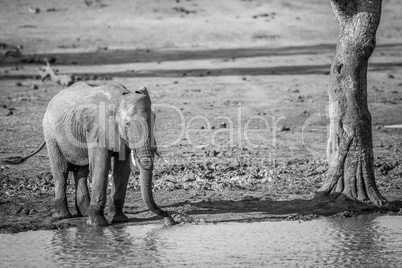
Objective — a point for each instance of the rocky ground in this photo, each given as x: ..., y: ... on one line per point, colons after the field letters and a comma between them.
x: 240, y: 93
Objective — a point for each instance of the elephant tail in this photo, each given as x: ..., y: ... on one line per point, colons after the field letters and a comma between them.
x: 15, y: 160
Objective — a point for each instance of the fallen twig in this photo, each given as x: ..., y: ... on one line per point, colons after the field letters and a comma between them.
x: 48, y: 73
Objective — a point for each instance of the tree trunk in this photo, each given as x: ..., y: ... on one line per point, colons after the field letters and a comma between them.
x: 350, y: 146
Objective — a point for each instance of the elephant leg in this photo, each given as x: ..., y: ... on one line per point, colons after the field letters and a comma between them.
x: 59, y: 167
x: 82, y: 198
x: 99, y: 163
x: 121, y: 174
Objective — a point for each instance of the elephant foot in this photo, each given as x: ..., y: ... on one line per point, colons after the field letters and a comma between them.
x: 119, y: 217
x: 169, y: 221
x: 114, y: 213
x: 59, y: 215
x: 61, y: 209
x: 83, y: 208
x: 96, y: 217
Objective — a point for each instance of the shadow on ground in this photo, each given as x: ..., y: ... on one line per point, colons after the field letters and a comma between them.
x: 253, y: 209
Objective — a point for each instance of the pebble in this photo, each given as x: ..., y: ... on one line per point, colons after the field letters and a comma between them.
x: 32, y: 212
x: 25, y: 211
x: 33, y: 10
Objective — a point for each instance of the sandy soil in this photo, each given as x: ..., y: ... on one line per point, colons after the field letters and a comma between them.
x: 240, y: 92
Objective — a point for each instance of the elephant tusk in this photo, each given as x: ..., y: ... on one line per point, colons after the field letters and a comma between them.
x: 133, y: 159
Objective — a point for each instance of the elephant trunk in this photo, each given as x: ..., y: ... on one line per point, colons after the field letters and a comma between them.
x: 145, y: 164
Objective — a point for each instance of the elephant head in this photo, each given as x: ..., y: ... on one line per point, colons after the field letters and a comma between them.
x: 135, y: 121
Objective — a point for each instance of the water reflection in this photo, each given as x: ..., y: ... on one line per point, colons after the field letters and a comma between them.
x: 366, y: 241
x: 369, y: 240
x: 102, y: 246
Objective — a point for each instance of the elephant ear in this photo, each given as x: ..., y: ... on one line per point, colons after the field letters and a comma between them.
x: 95, y: 124
x: 144, y: 91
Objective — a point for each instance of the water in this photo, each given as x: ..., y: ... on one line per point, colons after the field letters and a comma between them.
x: 364, y: 241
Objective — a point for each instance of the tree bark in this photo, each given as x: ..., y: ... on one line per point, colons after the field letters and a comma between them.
x: 350, y: 146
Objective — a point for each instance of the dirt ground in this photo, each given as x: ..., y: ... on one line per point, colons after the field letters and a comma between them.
x: 240, y: 92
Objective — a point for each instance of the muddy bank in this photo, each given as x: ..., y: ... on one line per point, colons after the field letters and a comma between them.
x: 204, y: 193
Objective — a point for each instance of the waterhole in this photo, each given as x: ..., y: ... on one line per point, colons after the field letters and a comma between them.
x: 364, y: 241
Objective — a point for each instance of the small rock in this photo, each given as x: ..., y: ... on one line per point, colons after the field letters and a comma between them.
x: 188, y: 178
x: 284, y: 128
x: 34, y: 87
x: 391, y: 76
x: 378, y: 127
x: 321, y: 169
x: 18, y: 84
x: 10, y: 112
x: 33, y: 10
x: 32, y: 212
x: 212, y: 127
x: 18, y: 211
x: 222, y: 125
x: 25, y: 211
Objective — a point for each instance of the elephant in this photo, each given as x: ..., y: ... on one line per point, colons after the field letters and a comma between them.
x: 85, y: 127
